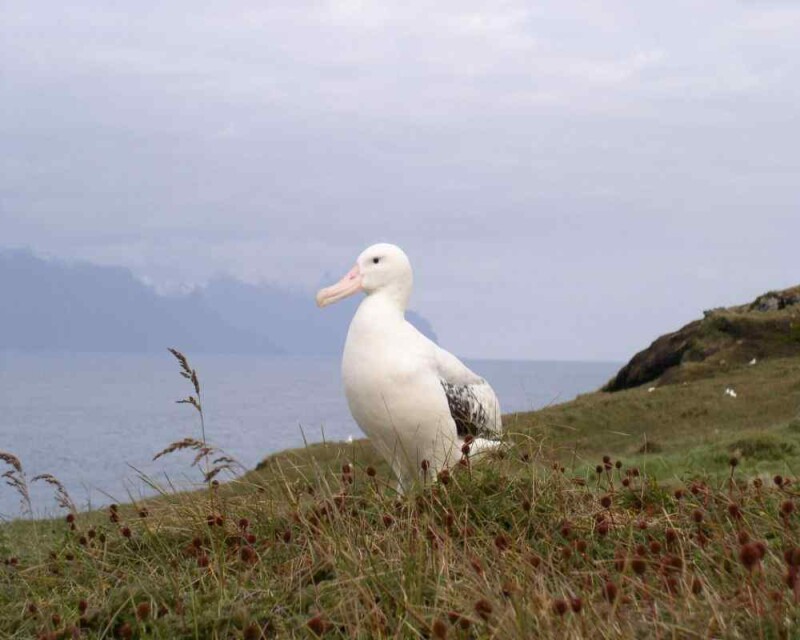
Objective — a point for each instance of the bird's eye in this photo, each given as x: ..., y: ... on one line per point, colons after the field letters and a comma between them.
x: 376, y: 260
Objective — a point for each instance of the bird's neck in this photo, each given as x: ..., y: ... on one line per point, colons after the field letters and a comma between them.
x: 381, y: 308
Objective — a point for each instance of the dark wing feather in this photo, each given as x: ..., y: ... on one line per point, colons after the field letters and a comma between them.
x: 468, y: 412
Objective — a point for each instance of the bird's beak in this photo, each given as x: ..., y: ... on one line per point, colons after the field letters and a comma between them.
x: 347, y: 286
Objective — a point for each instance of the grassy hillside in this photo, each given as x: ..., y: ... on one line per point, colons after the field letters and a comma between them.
x: 768, y: 327
x: 681, y: 531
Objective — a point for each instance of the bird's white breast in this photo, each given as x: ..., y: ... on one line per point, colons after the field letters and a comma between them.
x: 393, y: 390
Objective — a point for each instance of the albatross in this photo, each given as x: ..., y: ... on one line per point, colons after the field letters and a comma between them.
x: 421, y: 407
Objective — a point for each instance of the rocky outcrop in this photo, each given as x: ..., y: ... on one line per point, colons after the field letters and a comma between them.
x: 775, y: 300
x: 767, y: 327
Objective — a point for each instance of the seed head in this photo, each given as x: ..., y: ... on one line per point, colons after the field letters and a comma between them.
x: 244, y: 523
x: 610, y: 591
x: 318, y: 625
x: 252, y: 632
x: 605, y: 502
x: 655, y: 547
x: 792, y: 557
x: 734, y: 462
x: 672, y: 584
x: 560, y: 606
x: 483, y: 608
x: 671, y: 564
x: 502, y: 542
x: 576, y: 604
x: 477, y: 565
x: 697, y: 516
x: 734, y: 511
x: 778, y: 480
x: 247, y: 554
x: 598, y: 469
x: 439, y: 629
x: 697, y: 586
x: 371, y: 472
x: 639, y: 565
x: 787, y: 507
x: 126, y: 532
x: 749, y: 555
x: 143, y: 611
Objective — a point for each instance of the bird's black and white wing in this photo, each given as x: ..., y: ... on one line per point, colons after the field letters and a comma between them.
x: 473, y: 404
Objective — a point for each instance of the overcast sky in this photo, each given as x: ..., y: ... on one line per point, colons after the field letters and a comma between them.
x: 570, y: 179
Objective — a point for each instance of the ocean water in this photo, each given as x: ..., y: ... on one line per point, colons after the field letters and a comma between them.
x: 95, y: 421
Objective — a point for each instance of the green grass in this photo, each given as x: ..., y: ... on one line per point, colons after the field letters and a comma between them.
x: 674, y: 543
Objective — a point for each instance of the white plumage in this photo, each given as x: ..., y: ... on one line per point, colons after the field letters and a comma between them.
x: 415, y: 401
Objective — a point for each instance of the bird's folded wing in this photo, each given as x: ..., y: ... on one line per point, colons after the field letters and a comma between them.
x: 473, y: 404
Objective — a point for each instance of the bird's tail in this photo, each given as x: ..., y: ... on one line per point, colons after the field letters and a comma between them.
x: 482, y: 445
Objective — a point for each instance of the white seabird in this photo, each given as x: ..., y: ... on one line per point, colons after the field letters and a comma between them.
x: 415, y: 401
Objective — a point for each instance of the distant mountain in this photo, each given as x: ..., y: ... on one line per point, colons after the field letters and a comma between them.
x: 51, y: 305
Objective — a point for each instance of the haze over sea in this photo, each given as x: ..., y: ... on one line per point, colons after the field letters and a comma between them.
x: 93, y: 420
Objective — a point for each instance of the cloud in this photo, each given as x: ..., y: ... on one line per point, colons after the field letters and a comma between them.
x: 518, y: 151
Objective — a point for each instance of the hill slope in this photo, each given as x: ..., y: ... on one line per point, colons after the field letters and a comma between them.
x: 768, y: 327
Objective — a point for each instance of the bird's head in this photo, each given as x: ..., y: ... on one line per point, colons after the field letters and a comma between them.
x: 380, y: 269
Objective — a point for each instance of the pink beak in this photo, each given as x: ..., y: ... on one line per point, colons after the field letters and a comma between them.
x: 347, y: 286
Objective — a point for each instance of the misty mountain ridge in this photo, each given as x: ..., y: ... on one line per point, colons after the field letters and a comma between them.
x: 54, y: 305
